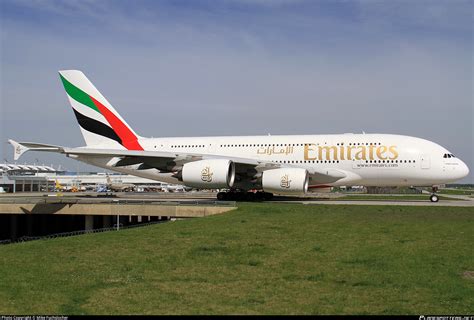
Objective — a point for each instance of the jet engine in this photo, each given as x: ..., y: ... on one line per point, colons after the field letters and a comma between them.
x: 285, y: 181
x: 209, y: 174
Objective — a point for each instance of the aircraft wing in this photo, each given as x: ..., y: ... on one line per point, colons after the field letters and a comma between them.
x: 171, y: 161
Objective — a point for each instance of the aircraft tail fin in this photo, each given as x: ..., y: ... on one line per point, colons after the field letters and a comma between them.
x: 101, y: 125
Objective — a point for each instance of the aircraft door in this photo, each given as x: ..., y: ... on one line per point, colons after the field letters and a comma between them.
x: 425, y: 161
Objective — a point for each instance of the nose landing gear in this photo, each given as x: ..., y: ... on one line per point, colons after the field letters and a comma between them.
x: 434, y: 197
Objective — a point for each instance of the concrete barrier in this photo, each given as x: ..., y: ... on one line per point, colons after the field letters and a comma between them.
x: 112, y: 209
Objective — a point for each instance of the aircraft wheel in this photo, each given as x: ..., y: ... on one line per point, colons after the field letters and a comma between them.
x: 221, y: 196
x: 434, y: 198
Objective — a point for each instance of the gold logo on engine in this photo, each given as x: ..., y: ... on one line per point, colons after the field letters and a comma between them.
x: 285, y: 181
x: 206, y: 174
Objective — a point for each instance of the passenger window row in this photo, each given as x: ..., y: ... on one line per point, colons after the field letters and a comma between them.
x: 188, y: 146
x: 389, y: 161
x: 272, y: 145
x: 362, y: 143
x: 306, y: 161
x: 264, y: 145
x: 294, y: 144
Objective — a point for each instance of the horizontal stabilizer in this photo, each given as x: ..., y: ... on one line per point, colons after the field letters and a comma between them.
x: 19, y: 148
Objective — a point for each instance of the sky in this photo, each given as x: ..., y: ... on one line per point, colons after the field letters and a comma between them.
x: 241, y: 67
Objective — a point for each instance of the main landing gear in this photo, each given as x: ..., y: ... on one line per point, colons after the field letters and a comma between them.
x: 244, y: 196
x: 434, y: 197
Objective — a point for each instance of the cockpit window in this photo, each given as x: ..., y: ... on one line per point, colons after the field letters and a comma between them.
x: 448, y: 155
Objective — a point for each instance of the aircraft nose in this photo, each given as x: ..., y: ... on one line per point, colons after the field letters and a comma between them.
x: 463, y: 169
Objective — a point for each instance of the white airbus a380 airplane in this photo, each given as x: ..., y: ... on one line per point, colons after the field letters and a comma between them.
x: 291, y: 164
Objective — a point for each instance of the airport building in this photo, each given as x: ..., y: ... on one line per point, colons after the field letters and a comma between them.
x: 35, y: 178
x: 17, y: 178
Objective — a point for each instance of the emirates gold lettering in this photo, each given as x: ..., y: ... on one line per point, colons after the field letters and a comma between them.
x: 372, y: 152
x: 394, y: 152
x: 360, y: 154
x: 307, y: 149
x: 327, y: 151
x: 349, y: 152
x: 341, y: 152
x: 380, y: 152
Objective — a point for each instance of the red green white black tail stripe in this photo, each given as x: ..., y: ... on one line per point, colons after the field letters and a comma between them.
x: 100, y: 123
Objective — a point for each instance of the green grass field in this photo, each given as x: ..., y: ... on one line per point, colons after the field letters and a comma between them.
x: 456, y: 191
x: 394, y: 197
x: 259, y: 259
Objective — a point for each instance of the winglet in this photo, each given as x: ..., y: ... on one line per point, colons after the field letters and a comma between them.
x: 18, y: 149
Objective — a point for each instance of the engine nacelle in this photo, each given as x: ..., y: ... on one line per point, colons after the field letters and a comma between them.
x: 209, y: 174
x: 285, y: 181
